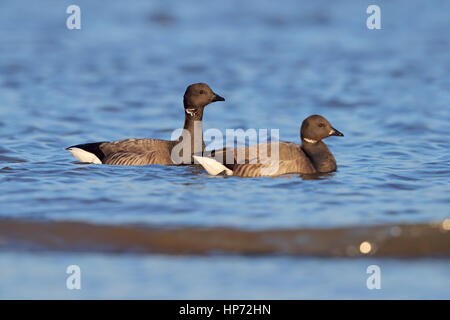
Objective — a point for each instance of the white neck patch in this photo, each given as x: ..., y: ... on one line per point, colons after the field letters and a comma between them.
x: 310, y: 140
x: 190, y: 112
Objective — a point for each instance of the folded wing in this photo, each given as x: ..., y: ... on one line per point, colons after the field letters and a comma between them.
x: 126, y: 158
x: 260, y: 160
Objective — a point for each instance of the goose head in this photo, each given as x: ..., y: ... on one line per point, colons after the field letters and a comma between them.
x: 198, y: 96
x: 315, y: 128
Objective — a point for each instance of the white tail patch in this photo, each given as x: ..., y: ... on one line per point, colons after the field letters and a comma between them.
x: 84, y: 156
x: 212, y: 166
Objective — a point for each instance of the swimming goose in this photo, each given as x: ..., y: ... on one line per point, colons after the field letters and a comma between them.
x: 312, y: 156
x: 156, y: 151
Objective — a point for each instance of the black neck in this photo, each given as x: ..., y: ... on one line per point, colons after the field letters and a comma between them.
x: 193, y: 124
x: 320, y: 156
x: 192, y: 137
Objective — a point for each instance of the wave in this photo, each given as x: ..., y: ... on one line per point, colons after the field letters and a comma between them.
x: 401, y: 240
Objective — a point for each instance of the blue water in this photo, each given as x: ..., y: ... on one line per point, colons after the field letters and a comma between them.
x: 161, y: 277
x: 124, y: 73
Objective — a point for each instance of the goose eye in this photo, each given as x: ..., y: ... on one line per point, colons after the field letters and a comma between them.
x: 321, y: 125
x: 202, y: 91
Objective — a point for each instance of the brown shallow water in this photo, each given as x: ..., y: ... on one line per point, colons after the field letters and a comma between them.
x: 419, y: 240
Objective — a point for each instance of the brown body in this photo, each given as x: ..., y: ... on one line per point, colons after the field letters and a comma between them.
x: 313, y: 156
x: 137, y: 152
x: 157, y: 151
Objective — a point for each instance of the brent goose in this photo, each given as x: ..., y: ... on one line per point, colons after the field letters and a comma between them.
x: 312, y: 156
x: 154, y: 151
